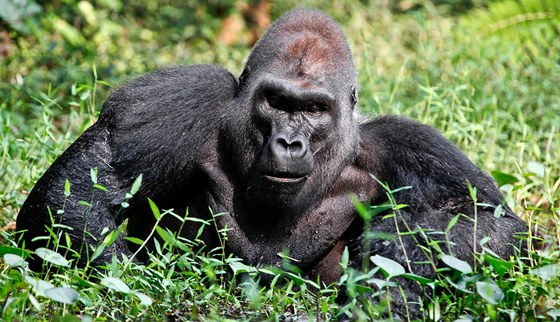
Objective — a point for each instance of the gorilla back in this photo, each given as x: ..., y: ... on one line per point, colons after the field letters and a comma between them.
x: 279, y: 151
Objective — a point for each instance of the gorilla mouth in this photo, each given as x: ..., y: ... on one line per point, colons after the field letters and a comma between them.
x: 284, y: 178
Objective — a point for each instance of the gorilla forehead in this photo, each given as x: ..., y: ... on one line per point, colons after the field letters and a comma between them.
x: 307, y: 56
x: 312, y: 45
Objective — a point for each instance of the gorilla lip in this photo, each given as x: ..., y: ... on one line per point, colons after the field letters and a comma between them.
x: 285, y: 179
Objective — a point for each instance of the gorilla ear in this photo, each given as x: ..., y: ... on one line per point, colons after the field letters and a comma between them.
x: 354, y: 97
x: 243, y: 77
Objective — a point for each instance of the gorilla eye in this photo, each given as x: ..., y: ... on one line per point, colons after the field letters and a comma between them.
x: 277, y: 102
x: 316, y: 107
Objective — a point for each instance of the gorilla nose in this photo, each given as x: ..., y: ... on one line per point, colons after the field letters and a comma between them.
x: 286, y: 146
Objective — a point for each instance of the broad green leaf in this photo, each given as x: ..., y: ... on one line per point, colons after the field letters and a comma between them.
x: 461, y: 284
x: 34, y: 302
x: 420, y: 279
x: 536, y: 168
x: 490, y: 292
x: 472, y: 191
x: 66, y: 188
x: 554, y: 313
x: 115, y: 284
x: 69, y: 33
x: 464, y: 319
x: 84, y: 283
x: 239, y: 267
x: 64, y: 295
x: 98, y: 251
x: 378, y: 209
x: 52, y: 257
x: 13, y: 260
x: 84, y: 203
x: 547, y: 272
x: 4, y: 249
x: 144, y: 299
x: 166, y: 235
x: 39, y: 286
x: 345, y: 259
x: 456, y: 264
x: 155, y: 209
x: 434, y: 311
x: 112, y: 237
x: 389, y: 266
x: 99, y: 187
x: 381, y: 284
x: 199, y: 232
x: 135, y: 240
x: 136, y: 185
x: 500, y: 266
x: 503, y: 178
x: 499, y: 211
x: 93, y: 175
x: 485, y: 240
x: 267, y: 271
x: 452, y: 222
x: 300, y: 281
x: 380, y: 235
x: 361, y: 209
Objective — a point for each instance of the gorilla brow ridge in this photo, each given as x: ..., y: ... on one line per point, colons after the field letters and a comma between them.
x: 273, y: 84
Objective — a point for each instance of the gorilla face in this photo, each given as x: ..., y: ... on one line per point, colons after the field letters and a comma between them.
x: 291, y: 121
x: 298, y: 92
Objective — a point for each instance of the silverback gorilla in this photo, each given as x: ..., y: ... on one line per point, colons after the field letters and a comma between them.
x: 280, y: 151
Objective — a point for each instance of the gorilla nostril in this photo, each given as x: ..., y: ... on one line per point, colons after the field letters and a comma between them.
x: 283, y: 143
x: 295, y: 147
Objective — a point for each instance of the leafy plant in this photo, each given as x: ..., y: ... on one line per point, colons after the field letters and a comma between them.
x: 531, y: 28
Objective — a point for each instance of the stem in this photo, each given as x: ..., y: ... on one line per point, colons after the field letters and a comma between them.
x: 150, y: 235
x: 86, y: 223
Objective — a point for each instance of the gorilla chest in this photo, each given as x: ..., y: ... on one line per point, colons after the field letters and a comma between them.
x: 268, y: 235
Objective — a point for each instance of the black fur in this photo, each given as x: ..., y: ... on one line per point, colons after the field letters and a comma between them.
x: 279, y: 152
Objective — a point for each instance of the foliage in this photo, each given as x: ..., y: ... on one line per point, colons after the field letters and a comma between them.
x: 493, y: 288
x: 530, y: 28
x: 485, y: 73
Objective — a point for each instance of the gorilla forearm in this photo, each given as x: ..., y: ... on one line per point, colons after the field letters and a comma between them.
x: 86, y: 207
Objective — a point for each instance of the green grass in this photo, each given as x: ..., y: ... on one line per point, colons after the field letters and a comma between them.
x: 494, y: 93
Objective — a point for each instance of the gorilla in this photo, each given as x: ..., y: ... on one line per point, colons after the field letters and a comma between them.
x: 281, y: 153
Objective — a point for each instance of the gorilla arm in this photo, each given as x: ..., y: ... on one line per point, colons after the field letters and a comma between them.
x: 438, y: 173
x: 157, y: 126
x: 89, y: 151
x: 164, y: 124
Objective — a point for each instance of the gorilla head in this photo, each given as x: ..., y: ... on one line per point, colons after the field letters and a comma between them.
x: 298, y: 93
